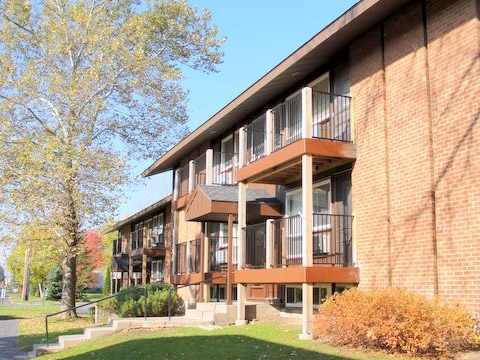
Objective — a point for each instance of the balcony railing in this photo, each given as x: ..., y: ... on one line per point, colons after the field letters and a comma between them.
x: 331, y: 116
x: 332, y: 241
x: 287, y: 122
x: 136, y: 239
x: 219, y: 253
x: 225, y: 167
x: 156, y: 241
x: 188, y: 262
x: 200, y: 169
x: 183, y: 181
x: 256, y: 138
x: 117, y: 246
x: 255, y: 246
x: 330, y: 120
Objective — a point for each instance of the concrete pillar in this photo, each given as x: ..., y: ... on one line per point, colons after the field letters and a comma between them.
x: 307, y: 210
x: 228, y: 284
x: 269, y: 130
x: 209, y: 167
x: 268, y: 243
x: 307, y: 115
x: 307, y: 311
x: 191, y: 176
x: 242, y: 222
x: 242, y: 146
x: 176, y: 184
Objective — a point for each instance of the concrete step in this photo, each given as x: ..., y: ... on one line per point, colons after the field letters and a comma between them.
x: 68, y: 341
x: 114, y: 325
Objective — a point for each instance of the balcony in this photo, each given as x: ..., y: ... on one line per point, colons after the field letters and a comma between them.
x: 332, y: 242
x: 312, y: 123
x: 219, y: 253
x: 188, y: 257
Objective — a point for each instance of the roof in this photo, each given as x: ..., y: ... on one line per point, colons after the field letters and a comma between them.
x: 287, y: 74
x: 142, y: 213
x: 230, y: 194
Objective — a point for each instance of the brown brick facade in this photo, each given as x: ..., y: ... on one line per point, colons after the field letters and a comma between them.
x: 416, y: 193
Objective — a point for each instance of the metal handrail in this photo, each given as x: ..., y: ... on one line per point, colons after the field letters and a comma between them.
x: 205, y: 281
x: 145, y: 293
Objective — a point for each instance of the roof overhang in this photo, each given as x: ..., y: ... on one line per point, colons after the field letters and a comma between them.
x: 201, y: 207
x: 289, y: 73
x: 142, y: 213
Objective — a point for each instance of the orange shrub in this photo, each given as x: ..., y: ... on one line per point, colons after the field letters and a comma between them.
x: 394, y: 320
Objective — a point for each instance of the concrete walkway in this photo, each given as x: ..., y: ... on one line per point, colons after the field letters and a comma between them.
x: 8, y: 340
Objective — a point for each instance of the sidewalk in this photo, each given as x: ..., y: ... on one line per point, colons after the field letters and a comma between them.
x: 8, y: 340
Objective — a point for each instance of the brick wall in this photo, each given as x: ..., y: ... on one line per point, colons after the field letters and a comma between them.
x: 416, y: 113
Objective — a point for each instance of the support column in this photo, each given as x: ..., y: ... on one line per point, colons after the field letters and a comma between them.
x: 242, y: 146
x: 191, y: 176
x: 209, y: 167
x: 242, y: 222
x: 307, y: 312
x: 268, y: 243
x: 176, y: 184
x: 229, y: 259
x: 307, y: 243
x: 144, y: 269
x: 130, y: 270
x: 269, y: 130
x: 206, y: 262
x: 202, y: 262
x: 307, y: 115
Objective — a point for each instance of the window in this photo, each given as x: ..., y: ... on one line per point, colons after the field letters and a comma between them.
x: 158, y: 228
x: 321, y: 217
x: 293, y: 296
x: 157, y: 270
x: 294, y: 224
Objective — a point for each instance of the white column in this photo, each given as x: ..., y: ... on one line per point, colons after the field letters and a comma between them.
x: 269, y: 129
x: 191, y: 176
x: 209, y: 167
x: 242, y: 222
x: 307, y: 113
x: 307, y: 311
x: 268, y: 243
x: 307, y: 210
x: 242, y: 146
x: 176, y: 186
x: 307, y: 243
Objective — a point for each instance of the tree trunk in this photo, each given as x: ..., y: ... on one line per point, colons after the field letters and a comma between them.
x: 69, y: 286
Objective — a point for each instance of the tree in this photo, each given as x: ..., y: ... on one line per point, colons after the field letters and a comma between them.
x: 86, y: 85
x: 2, y: 274
x: 54, y: 283
x: 107, y: 282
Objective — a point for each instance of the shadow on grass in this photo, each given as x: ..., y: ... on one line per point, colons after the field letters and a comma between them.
x: 10, y: 317
x: 26, y: 342
x: 236, y: 347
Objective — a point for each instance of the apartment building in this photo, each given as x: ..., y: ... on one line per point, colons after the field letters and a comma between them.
x: 141, y: 254
x: 354, y: 162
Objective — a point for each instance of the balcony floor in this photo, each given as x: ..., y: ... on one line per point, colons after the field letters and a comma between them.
x: 285, y: 165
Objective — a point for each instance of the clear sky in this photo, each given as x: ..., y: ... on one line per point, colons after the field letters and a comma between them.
x: 260, y: 34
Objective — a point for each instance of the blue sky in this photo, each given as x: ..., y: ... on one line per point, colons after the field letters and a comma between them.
x: 260, y: 34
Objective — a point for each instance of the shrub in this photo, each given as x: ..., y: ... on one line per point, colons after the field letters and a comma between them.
x: 131, y: 302
x: 394, y: 320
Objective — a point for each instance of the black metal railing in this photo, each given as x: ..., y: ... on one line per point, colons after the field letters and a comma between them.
x: 287, y: 122
x: 225, y: 167
x: 293, y: 240
x: 183, y: 181
x: 331, y: 116
x: 278, y: 243
x: 255, y: 242
x: 117, y: 246
x: 188, y: 262
x: 332, y: 239
x: 256, y: 139
x: 200, y: 169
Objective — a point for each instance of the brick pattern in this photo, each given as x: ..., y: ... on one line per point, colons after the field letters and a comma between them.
x: 428, y: 105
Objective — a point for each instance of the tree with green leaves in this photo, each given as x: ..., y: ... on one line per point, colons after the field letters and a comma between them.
x: 54, y: 283
x: 86, y: 86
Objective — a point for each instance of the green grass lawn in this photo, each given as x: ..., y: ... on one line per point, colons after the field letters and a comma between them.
x: 256, y: 341
x: 32, y: 324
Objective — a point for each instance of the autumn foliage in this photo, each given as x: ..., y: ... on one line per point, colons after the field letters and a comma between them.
x: 394, y: 320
